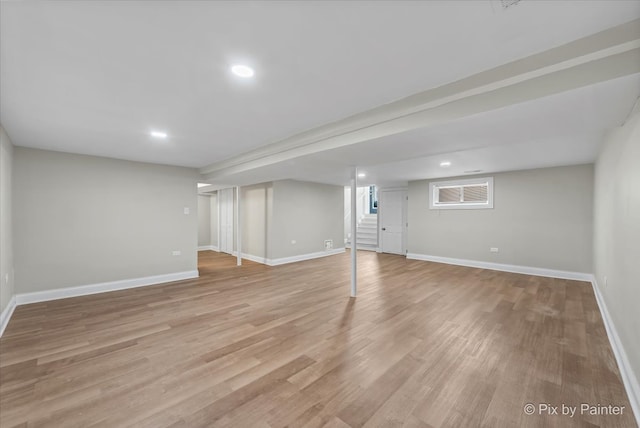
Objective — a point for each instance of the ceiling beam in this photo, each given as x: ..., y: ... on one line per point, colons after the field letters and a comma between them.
x: 597, y: 58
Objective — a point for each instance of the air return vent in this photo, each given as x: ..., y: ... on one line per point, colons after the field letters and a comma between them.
x: 509, y: 3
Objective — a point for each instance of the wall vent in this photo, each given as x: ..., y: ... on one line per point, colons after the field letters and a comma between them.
x: 509, y: 3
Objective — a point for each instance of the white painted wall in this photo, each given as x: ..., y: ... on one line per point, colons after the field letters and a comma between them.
x: 541, y: 218
x: 617, y: 236
x: 83, y: 220
x: 6, y: 234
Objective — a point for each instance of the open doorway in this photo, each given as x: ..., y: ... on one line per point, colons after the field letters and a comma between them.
x: 373, y: 200
x: 366, y: 233
x: 216, y: 225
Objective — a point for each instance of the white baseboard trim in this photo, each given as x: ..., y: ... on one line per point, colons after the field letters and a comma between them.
x: 84, y: 290
x: 5, y: 315
x: 292, y: 259
x: 527, y: 270
x: 208, y: 248
x: 630, y: 381
x: 302, y: 257
x: 363, y: 248
x: 256, y: 259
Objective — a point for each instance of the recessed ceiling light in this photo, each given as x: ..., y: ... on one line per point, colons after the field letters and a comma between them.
x: 158, y: 134
x: 445, y: 163
x: 242, y: 71
x: 203, y: 185
x: 362, y: 175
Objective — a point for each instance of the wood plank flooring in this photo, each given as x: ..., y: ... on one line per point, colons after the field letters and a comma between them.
x: 423, y: 345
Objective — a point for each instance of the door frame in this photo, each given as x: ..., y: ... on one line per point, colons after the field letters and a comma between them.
x: 373, y: 200
x: 381, y: 202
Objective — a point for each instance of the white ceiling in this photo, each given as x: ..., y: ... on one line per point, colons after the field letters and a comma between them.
x: 95, y: 77
x: 563, y: 129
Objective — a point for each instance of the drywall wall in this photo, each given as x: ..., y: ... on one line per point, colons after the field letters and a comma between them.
x: 541, y: 218
x: 617, y: 236
x: 307, y: 214
x: 82, y: 220
x: 256, y: 206
x: 6, y: 239
x: 204, y: 220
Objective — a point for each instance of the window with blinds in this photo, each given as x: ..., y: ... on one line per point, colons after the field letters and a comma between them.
x: 461, y: 194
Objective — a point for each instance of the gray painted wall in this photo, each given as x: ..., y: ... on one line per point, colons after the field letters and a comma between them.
x: 541, y: 218
x: 308, y: 213
x: 617, y: 233
x: 82, y: 220
x: 257, y: 201
x: 276, y: 213
x: 204, y: 220
x: 6, y: 239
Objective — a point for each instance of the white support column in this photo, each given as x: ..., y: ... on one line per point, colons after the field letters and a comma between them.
x: 239, y: 230
x: 354, y: 233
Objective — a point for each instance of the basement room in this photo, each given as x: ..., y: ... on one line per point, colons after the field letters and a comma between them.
x: 320, y: 214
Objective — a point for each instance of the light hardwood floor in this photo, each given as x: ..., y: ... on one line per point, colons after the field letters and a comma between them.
x: 423, y: 345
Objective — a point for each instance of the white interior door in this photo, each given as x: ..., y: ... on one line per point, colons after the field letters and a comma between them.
x: 225, y: 197
x: 392, y: 221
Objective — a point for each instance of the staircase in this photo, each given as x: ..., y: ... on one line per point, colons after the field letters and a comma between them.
x: 367, y: 232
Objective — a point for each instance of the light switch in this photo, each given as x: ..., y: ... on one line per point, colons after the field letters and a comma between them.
x: 186, y: 210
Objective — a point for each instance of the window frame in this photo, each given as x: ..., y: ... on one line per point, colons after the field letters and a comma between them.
x: 434, y: 186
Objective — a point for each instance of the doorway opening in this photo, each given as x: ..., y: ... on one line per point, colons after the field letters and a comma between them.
x: 366, y: 233
x: 373, y: 200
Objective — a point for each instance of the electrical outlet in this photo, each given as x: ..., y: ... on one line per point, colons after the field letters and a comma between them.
x: 494, y: 250
x: 328, y: 244
x: 186, y: 211
x: 176, y: 253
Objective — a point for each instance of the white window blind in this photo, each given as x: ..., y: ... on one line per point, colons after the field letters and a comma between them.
x: 461, y: 194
